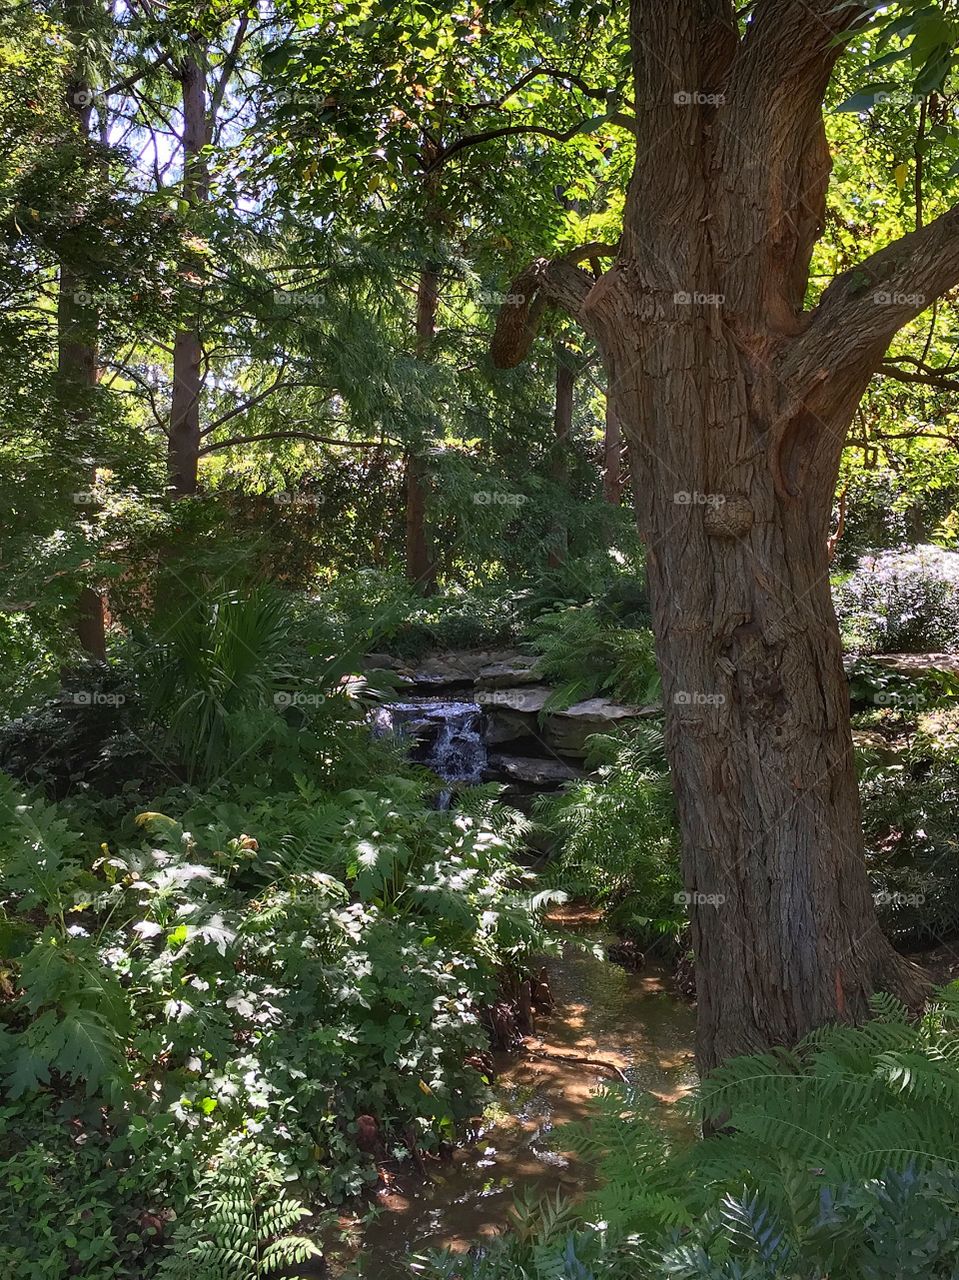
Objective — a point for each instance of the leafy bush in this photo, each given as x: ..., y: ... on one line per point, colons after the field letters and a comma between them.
x: 288, y: 974
x: 912, y: 851
x: 403, y: 623
x: 901, y: 602
x: 838, y: 1158
x: 84, y: 735
x: 620, y: 845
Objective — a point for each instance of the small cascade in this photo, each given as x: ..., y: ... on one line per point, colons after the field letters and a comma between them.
x: 446, y: 735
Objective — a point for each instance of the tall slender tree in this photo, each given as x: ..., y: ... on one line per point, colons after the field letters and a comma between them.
x: 77, y: 368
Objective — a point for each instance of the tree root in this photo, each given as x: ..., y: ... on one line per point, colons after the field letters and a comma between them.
x: 577, y: 1060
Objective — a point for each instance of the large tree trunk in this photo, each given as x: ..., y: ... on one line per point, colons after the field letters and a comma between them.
x: 757, y: 710
x: 185, y: 439
x: 735, y: 402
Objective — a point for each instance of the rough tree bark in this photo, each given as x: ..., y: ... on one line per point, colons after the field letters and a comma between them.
x: 185, y: 435
x: 735, y: 403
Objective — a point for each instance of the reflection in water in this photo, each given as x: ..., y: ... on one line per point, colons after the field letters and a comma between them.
x: 629, y: 1019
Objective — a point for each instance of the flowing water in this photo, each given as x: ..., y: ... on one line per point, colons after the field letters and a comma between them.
x: 631, y: 1020
x: 445, y: 734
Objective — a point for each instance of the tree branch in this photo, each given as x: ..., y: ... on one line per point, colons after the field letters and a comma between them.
x: 931, y: 379
x: 234, y: 441
x: 558, y: 281
x: 517, y: 130
x: 260, y: 396
x: 863, y: 309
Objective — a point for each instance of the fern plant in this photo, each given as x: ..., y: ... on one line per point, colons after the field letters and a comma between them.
x: 585, y: 652
x: 239, y: 1224
x: 619, y: 840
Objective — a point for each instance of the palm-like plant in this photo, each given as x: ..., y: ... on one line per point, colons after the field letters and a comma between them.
x: 212, y: 677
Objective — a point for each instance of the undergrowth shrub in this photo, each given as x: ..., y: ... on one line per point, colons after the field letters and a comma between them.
x: 901, y: 602
x: 208, y: 973
x: 84, y: 735
x: 912, y: 852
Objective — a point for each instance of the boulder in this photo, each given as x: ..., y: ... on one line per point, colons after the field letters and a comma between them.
x: 527, y: 700
x: 513, y: 713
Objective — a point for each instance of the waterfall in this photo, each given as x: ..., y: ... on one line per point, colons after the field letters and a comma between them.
x: 446, y: 735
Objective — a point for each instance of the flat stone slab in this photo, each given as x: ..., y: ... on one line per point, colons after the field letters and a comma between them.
x: 518, y: 670
x: 535, y: 771
x: 909, y: 664
x: 460, y: 666
x: 528, y: 700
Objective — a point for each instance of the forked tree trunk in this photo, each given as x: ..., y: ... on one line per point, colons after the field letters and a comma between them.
x: 185, y: 438
x: 735, y: 403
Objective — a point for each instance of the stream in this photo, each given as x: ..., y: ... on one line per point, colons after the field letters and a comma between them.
x: 632, y: 1020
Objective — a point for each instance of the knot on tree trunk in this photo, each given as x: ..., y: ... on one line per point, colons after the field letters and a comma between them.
x: 730, y: 518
